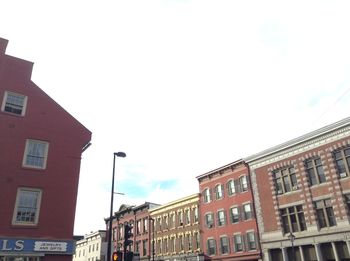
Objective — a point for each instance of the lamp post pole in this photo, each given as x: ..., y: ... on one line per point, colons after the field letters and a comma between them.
x: 291, y: 237
x: 109, y: 243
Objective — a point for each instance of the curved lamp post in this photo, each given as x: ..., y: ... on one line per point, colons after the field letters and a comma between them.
x: 109, y: 246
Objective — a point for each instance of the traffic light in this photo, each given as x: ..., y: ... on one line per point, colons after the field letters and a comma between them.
x: 117, y: 256
x: 127, y: 236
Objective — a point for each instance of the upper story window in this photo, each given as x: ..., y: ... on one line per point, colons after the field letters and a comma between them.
x: 293, y: 219
x: 234, y: 215
x: 27, y: 206
x: 247, y: 211
x: 315, y: 171
x: 231, y: 189
x: 237, y: 243
x: 243, y: 182
x: 206, y: 195
x: 196, y: 214
x: 35, y: 154
x: 14, y: 103
x: 219, y: 192
x: 138, y: 227
x: 209, y: 220
x: 145, y: 225
x: 221, y: 218
x: 251, y: 241
x: 187, y: 216
x: 325, y: 214
x: 285, y: 180
x: 181, y: 218
x: 211, y: 247
x: 224, y: 245
x: 342, y: 160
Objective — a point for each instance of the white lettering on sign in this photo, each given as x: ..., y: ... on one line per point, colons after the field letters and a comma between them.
x: 50, y: 246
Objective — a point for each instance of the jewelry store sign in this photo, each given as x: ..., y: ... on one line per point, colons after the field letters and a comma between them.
x: 11, y: 245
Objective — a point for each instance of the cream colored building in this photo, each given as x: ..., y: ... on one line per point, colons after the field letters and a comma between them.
x: 176, y: 230
x: 93, y: 247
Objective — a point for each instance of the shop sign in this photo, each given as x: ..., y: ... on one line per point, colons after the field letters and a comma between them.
x: 11, y: 245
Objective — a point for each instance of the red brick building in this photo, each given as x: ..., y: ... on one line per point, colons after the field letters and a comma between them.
x: 138, y: 217
x: 228, y: 224
x: 302, y: 196
x: 40, y: 147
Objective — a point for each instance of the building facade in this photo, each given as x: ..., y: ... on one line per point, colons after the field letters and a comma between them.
x: 176, y: 232
x: 228, y: 224
x: 302, y: 196
x: 92, y: 247
x: 41, y: 148
x: 138, y: 218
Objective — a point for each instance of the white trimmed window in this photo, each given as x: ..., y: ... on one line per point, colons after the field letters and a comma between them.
x: 14, y: 103
x: 27, y: 206
x: 35, y: 154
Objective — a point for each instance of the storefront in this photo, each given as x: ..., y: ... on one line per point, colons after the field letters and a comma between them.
x: 19, y: 249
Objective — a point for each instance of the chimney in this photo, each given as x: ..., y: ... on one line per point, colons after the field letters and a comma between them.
x: 3, y: 44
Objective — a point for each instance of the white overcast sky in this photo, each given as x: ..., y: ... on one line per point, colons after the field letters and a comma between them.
x: 182, y: 87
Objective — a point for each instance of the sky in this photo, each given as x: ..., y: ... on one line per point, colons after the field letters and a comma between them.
x: 181, y: 86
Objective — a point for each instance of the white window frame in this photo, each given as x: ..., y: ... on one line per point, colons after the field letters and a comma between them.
x: 37, y: 207
x: 26, y: 150
x: 24, y: 105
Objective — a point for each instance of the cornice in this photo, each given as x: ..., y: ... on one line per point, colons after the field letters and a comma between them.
x: 302, y: 144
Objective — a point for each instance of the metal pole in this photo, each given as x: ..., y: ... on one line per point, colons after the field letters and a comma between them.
x: 109, y: 248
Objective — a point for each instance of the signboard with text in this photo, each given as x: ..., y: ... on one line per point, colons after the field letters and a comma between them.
x: 20, y: 245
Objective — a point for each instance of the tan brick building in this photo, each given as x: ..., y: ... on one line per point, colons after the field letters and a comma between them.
x: 176, y: 230
x: 302, y: 196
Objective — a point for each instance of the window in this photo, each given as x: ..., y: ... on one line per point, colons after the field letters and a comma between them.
x: 187, y: 216
x: 251, y: 241
x: 247, y: 211
x: 171, y: 245
x: 181, y: 242
x: 189, y: 242
x: 293, y: 219
x: 206, y: 195
x: 144, y: 247
x: 219, y: 192
x: 209, y: 220
x: 35, y: 154
x: 197, y: 240
x: 211, y: 246
x: 314, y: 171
x: 243, y: 182
x: 325, y: 215
x: 234, y: 214
x: 285, y: 180
x: 342, y: 160
x: 221, y: 218
x: 347, y: 201
x: 138, y: 227
x: 181, y: 218
x: 196, y: 215
x: 165, y: 245
x: 27, y: 206
x: 145, y: 225
x: 231, y: 187
x: 14, y: 103
x: 224, y: 247
x: 172, y: 220
x: 238, y: 243
x: 137, y: 246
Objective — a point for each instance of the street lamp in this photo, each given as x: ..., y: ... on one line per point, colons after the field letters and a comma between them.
x: 109, y: 247
x: 291, y: 237
x: 153, y: 228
